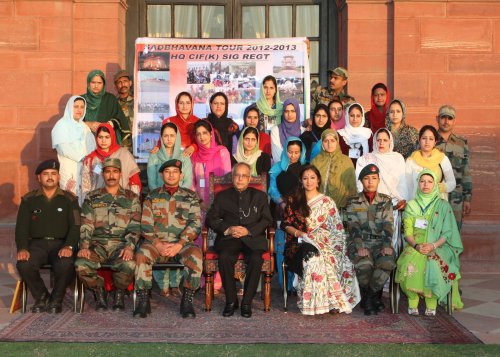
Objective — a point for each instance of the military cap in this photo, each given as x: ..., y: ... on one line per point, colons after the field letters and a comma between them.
x: 368, y: 170
x: 446, y: 111
x: 339, y: 71
x: 120, y: 74
x: 112, y: 162
x: 47, y: 164
x: 171, y: 163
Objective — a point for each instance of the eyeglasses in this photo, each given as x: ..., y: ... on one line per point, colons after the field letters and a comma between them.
x: 242, y: 176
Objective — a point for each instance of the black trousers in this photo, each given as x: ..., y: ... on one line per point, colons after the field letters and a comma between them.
x: 228, y: 250
x: 45, y: 252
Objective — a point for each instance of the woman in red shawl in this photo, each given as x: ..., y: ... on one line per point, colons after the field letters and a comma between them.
x: 380, y: 98
x: 185, y: 121
x: 108, y: 147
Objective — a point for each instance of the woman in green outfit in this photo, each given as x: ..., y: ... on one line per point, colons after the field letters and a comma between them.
x: 429, y: 266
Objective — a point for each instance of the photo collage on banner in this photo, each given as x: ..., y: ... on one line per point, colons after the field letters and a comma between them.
x: 164, y: 67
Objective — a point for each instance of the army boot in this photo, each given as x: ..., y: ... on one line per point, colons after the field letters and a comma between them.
x: 377, y: 301
x: 143, y: 307
x: 118, y: 303
x: 187, y: 309
x: 369, y: 307
x: 100, y: 299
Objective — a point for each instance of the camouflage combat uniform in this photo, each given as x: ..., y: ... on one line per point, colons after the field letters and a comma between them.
x: 171, y: 219
x: 109, y: 224
x: 370, y: 226
x: 127, y: 106
x: 325, y: 95
x: 457, y: 150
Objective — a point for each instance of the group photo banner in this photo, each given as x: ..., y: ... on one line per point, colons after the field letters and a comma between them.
x: 165, y: 67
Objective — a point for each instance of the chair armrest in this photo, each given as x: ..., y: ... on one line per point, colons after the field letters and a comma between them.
x: 204, y: 236
x: 270, y: 237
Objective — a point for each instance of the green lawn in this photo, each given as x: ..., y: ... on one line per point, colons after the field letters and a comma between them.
x: 36, y: 349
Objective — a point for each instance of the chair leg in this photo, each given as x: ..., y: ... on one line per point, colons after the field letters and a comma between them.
x: 394, y: 293
x: 285, y: 286
x: 267, y: 292
x: 134, y: 298
x: 82, y: 296
x: 209, y: 290
x: 449, y: 308
x: 75, y: 295
x: 24, y: 296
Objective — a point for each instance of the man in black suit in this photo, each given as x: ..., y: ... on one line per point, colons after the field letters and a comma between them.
x: 240, y: 216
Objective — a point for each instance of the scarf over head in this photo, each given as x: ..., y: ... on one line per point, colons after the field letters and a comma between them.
x: 285, y: 160
x: 356, y: 137
x: 253, y: 156
x: 388, y: 122
x: 339, y: 124
x: 184, y: 126
x: 391, y: 165
x: 98, y: 152
x: 205, y: 154
x: 377, y: 119
x: 94, y: 100
x: 424, y: 202
x: 176, y: 152
x: 67, y: 129
x: 225, y: 126
x: 245, y: 113
x: 337, y: 172
x: 316, y: 130
x: 287, y: 129
x: 264, y: 106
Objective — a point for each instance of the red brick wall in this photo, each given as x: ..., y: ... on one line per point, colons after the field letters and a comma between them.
x: 46, y: 50
x: 433, y: 53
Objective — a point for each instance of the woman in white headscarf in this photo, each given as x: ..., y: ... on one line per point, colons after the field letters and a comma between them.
x: 355, y: 140
x: 392, y: 172
x: 72, y: 140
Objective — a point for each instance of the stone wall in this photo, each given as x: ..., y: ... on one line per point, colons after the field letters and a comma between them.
x: 46, y: 50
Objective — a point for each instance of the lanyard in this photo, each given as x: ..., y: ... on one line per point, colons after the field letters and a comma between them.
x: 423, y: 210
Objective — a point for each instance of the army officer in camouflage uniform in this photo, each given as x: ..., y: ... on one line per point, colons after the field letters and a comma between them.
x: 369, y: 217
x: 171, y: 221
x: 336, y: 89
x: 109, y: 233
x: 456, y: 149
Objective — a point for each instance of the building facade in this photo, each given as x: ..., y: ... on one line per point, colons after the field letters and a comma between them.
x: 428, y: 52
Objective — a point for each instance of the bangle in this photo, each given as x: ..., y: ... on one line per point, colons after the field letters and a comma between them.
x: 415, y: 246
x: 295, y: 233
x: 434, y: 245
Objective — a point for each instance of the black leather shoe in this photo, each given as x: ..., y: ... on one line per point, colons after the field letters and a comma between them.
x: 246, y: 310
x: 54, y: 307
x: 118, y: 303
x: 229, y: 308
x: 40, y: 304
x: 370, y: 308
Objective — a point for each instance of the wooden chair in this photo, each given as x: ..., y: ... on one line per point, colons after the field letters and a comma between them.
x: 210, y: 257
x: 22, y: 290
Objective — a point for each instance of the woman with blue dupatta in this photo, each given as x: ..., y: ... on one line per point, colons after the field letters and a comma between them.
x: 283, y: 180
x: 429, y: 266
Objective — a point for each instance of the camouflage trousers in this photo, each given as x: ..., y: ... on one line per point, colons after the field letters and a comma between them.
x: 190, y: 256
x: 374, y: 270
x: 105, y: 252
x: 457, y: 204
